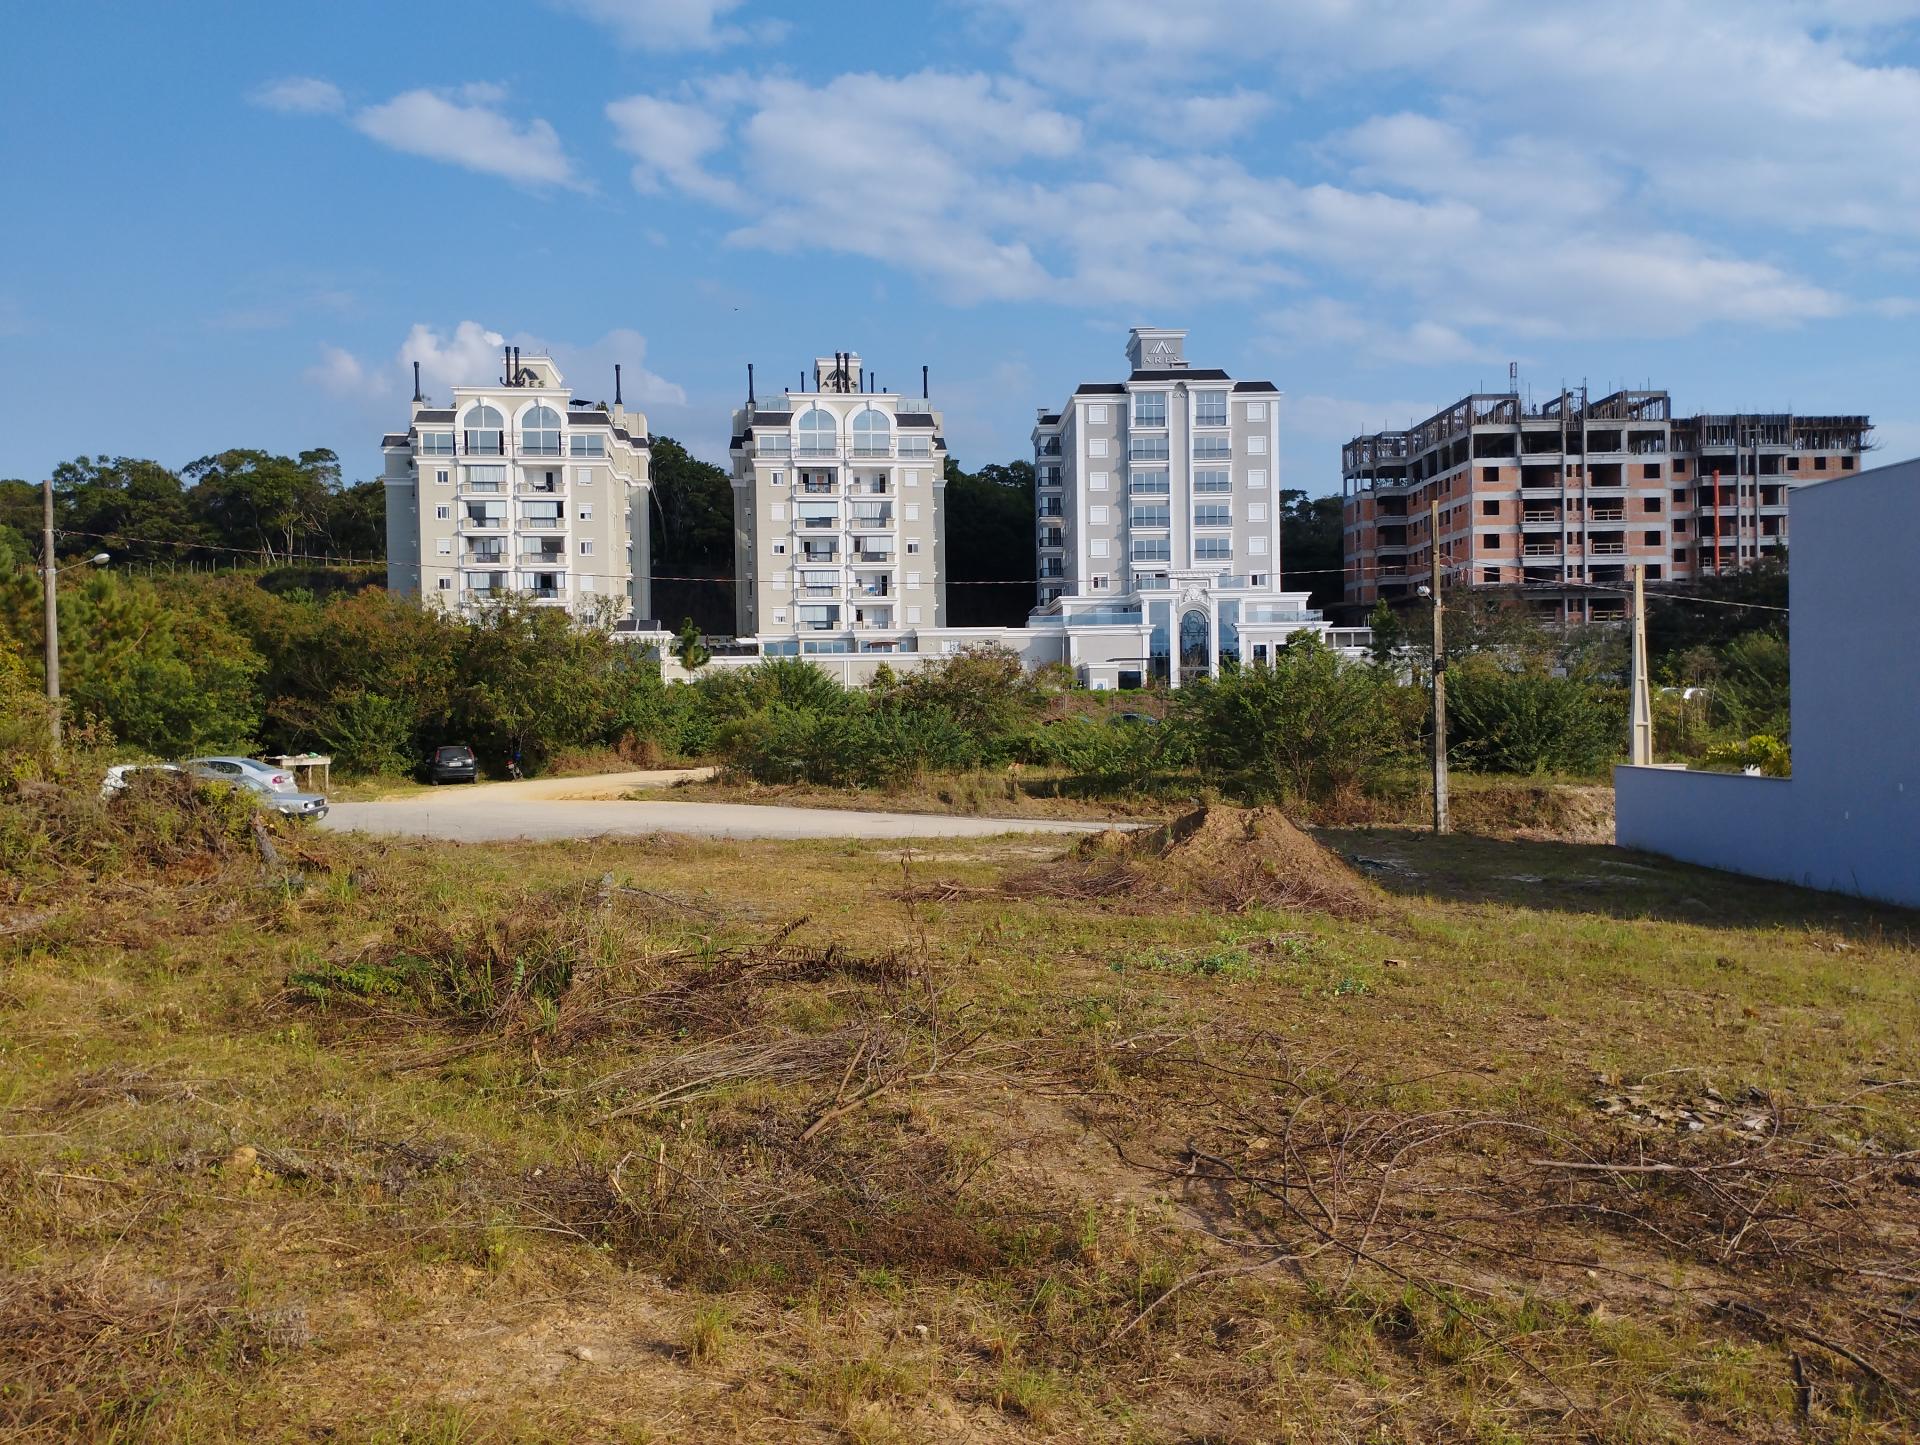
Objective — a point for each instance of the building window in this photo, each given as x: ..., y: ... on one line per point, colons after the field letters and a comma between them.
x: 1213, y: 549
x: 913, y: 579
x: 1256, y: 511
x: 1489, y: 574
x: 1212, y: 479
x: 1097, y: 547
x: 1209, y: 408
x: 1148, y: 515
x: 1846, y: 464
x: 436, y: 443
x: 814, y: 435
x: 1096, y: 416
x: 1097, y: 447
x: 779, y: 549
x: 586, y: 548
x: 1148, y: 482
x: 1212, y: 516
x: 1489, y: 542
x: 1652, y: 539
x: 1680, y: 494
x: 872, y: 434
x: 913, y: 616
x: 1680, y: 556
x: 441, y: 477
x: 445, y: 584
x: 1650, y: 472
x: 779, y: 511
x: 1152, y: 549
x: 586, y: 511
x: 913, y: 477
x: 1256, y: 445
x: 1258, y: 546
x: 779, y: 479
x: 590, y: 444
x: 1150, y: 408
x: 443, y: 513
x: 1649, y: 504
x: 1819, y: 464
x: 1256, y: 479
x: 540, y: 432
x: 1097, y: 582
x: 1256, y: 411
x: 1148, y: 448
x: 484, y: 431
x: 1489, y: 509
x: 1096, y: 481
x: 912, y: 509
x: 444, y: 546
x: 1489, y: 474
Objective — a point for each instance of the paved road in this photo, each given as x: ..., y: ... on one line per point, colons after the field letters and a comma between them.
x: 481, y: 814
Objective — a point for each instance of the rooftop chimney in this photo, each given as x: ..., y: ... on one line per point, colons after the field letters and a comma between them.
x: 923, y: 383
x: 749, y: 383
x: 416, y: 381
x: 506, y: 366
x: 616, y: 384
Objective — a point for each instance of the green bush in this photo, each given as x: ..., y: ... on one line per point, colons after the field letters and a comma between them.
x: 1305, y: 728
x: 1762, y: 751
x: 1528, y: 722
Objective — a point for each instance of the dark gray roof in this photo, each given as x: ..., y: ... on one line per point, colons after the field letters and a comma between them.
x: 772, y: 418
x: 1254, y: 386
x: 589, y: 418
x: 739, y: 440
x: 1102, y: 388
x: 420, y: 416
x: 914, y: 418
x: 1179, y: 374
x: 1051, y: 419
x: 394, y: 439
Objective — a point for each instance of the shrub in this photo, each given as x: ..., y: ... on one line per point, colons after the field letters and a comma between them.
x: 1529, y: 722
x: 1304, y: 728
x: 1763, y: 751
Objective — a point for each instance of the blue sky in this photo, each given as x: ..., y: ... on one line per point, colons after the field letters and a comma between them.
x: 235, y: 224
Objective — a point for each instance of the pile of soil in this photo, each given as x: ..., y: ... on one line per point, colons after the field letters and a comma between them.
x: 1232, y: 858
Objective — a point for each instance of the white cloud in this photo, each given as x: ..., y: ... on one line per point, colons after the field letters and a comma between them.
x: 1329, y: 326
x: 1208, y: 119
x: 471, y: 355
x: 671, y: 140
x: 341, y: 373
x: 673, y: 24
x: 464, y: 128
x: 300, y: 95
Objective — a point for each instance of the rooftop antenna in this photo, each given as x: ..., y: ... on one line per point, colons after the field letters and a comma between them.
x: 923, y: 383
x: 616, y: 385
x: 416, y: 381
x: 749, y: 383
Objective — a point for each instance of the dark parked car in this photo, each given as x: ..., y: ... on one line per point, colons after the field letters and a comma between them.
x: 453, y: 763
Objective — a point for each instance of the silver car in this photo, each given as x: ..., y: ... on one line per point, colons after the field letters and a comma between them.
x: 115, y: 782
x: 292, y: 805
x: 233, y: 769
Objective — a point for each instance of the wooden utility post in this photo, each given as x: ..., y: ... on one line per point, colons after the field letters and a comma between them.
x: 1441, y: 824
x: 1640, y: 750
x: 52, y: 611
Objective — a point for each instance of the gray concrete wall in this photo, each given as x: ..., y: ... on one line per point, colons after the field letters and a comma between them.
x: 1849, y: 818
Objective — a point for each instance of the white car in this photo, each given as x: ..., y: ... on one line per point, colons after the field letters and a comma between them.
x: 115, y: 781
x: 233, y: 769
x: 292, y: 805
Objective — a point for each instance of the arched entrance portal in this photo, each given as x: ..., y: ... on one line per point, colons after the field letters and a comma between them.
x: 1194, y: 651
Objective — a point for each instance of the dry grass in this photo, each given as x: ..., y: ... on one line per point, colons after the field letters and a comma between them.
x: 670, y: 1139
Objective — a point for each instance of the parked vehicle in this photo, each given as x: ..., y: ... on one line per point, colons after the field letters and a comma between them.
x: 292, y: 805
x: 453, y: 763
x: 1137, y: 718
x: 231, y: 769
x: 120, y: 774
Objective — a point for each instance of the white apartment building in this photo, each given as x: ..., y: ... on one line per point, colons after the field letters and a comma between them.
x: 517, y: 488
x: 1158, y: 522
x: 837, y: 499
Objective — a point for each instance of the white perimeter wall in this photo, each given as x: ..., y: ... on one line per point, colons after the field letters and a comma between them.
x: 1849, y: 817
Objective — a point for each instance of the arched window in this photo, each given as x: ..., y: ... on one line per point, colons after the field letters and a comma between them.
x: 871, y: 433
x: 540, y: 432
x: 814, y: 434
x: 1193, y: 644
x: 483, y: 431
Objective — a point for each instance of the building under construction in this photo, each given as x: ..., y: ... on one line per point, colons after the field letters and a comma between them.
x: 1558, y: 501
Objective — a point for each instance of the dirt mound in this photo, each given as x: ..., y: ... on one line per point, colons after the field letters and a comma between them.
x: 1234, y: 858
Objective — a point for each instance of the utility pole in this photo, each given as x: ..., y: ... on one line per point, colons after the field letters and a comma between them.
x: 1441, y: 823
x: 53, y: 611
x: 1640, y: 751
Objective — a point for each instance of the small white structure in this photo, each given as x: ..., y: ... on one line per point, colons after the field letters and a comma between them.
x: 1848, y: 819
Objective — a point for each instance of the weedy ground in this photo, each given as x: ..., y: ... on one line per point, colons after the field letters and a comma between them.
x: 686, y: 1140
